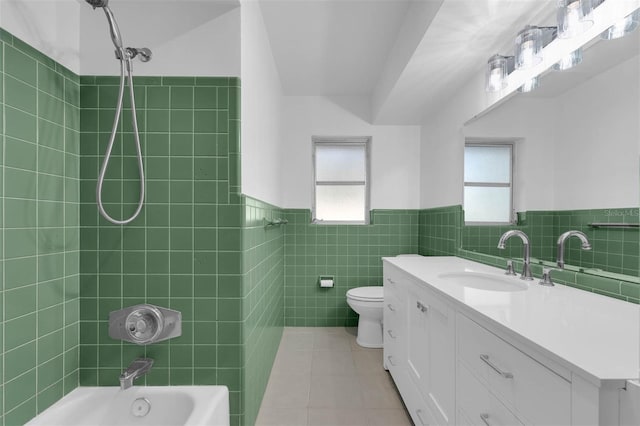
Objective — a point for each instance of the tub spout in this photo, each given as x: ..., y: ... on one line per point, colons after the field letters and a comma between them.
x: 137, y: 368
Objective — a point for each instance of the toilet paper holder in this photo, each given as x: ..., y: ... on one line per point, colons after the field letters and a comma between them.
x: 325, y: 281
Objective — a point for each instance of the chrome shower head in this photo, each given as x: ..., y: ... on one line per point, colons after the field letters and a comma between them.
x: 113, y: 26
x: 98, y: 3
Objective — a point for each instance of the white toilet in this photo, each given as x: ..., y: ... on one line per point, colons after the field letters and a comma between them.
x: 368, y: 302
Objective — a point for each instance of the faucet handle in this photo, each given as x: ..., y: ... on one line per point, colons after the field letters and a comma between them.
x: 510, y: 270
x: 546, y: 278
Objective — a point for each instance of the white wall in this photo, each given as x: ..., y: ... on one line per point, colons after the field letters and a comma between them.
x: 395, y: 153
x: 188, y: 38
x: 442, y: 151
x: 261, y: 98
x: 52, y: 27
x: 597, y: 141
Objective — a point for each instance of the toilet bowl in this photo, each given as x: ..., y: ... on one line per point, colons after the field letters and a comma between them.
x: 368, y: 302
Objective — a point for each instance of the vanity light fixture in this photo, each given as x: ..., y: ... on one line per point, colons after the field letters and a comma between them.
x: 574, y: 17
x: 528, y: 47
x: 498, y: 69
x: 622, y: 27
x: 529, y: 85
x: 569, y: 61
x: 529, y: 44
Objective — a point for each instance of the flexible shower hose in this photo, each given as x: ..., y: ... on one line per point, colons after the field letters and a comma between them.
x: 125, y: 62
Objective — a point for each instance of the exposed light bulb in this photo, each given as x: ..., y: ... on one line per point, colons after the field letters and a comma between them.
x: 496, y: 76
x: 526, y: 54
x: 528, y: 47
x: 574, y: 17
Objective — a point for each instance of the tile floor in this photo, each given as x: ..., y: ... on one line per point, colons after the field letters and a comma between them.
x: 322, y: 377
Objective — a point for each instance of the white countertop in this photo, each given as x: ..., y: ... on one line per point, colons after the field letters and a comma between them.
x: 596, y: 334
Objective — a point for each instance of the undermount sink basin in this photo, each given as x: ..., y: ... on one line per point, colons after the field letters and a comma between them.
x: 484, y: 281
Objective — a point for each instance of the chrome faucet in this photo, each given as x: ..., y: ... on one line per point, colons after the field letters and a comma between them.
x: 546, y: 272
x: 138, y: 368
x: 526, y: 268
x: 564, y: 237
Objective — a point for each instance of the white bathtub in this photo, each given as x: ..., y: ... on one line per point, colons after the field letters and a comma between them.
x: 164, y: 405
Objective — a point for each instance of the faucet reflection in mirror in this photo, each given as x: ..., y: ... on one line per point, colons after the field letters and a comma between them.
x: 586, y: 245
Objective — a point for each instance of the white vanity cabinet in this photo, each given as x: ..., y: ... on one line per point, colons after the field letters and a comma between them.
x: 514, y: 379
x: 419, y: 348
x: 461, y: 355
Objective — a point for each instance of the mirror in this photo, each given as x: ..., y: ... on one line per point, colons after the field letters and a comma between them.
x: 576, y: 160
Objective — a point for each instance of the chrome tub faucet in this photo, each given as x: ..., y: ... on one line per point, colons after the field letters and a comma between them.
x: 138, y: 368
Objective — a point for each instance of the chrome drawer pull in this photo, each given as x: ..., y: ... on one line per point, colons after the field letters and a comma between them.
x: 485, y: 419
x: 391, y: 308
x: 420, y: 306
x: 420, y: 417
x: 390, y: 358
x: 390, y: 333
x: 504, y: 374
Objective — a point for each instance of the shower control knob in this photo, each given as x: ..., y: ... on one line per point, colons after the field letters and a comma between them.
x: 144, y: 324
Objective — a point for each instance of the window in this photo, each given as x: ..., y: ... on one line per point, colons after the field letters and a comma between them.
x: 488, y: 189
x: 341, y: 180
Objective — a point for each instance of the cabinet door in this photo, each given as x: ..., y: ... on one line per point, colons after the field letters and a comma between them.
x: 431, y: 350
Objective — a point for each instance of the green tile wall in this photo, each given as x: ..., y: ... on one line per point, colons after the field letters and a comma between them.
x: 538, y: 225
x: 613, y: 250
x: 543, y: 227
x: 350, y: 253
x: 39, y: 209
x: 263, y: 304
x: 184, y: 251
x: 439, y: 231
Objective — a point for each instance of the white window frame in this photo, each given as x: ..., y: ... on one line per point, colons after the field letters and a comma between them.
x: 493, y: 143
x: 342, y: 141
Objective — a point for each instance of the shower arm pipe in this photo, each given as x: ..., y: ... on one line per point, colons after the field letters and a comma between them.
x: 124, y: 62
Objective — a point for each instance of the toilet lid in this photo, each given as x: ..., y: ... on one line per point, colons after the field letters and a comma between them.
x: 373, y: 293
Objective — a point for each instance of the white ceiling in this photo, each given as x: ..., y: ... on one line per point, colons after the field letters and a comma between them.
x: 331, y: 47
x: 408, y: 56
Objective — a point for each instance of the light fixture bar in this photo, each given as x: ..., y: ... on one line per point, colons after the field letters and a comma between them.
x: 622, y: 27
